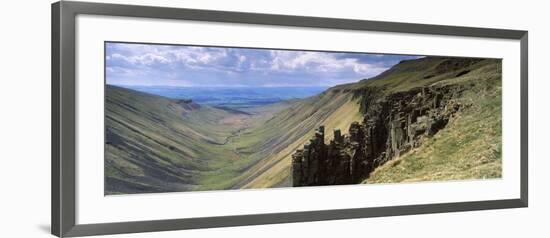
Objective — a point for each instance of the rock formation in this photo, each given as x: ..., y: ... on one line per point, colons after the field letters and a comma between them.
x: 393, y: 124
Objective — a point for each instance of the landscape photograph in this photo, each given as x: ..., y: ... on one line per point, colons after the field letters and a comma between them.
x: 183, y: 118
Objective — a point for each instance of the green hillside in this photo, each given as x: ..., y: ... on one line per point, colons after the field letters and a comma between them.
x: 157, y: 144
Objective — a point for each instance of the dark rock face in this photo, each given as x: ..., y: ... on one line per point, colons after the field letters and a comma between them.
x: 392, y: 125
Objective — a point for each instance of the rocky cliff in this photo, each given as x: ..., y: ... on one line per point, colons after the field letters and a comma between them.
x: 393, y: 124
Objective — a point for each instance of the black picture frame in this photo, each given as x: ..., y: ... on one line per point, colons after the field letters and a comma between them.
x: 63, y: 192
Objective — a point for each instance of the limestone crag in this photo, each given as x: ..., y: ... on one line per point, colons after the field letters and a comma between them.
x: 393, y: 124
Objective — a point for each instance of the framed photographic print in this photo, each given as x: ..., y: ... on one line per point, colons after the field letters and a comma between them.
x: 167, y: 119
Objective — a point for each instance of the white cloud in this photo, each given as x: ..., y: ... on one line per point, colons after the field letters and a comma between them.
x: 277, y: 61
x: 228, y: 66
x: 145, y: 59
x: 147, y: 55
x: 319, y: 63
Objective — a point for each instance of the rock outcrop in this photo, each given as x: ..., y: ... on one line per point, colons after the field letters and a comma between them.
x: 393, y: 124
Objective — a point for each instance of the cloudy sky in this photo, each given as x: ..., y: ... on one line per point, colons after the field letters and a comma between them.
x: 188, y: 66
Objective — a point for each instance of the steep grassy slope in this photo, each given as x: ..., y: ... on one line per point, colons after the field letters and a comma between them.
x: 469, y: 147
x: 155, y: 144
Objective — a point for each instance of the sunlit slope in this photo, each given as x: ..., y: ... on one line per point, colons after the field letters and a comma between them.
x: 469, y: 147
x: 274, y: 142
x: 155, y: 144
